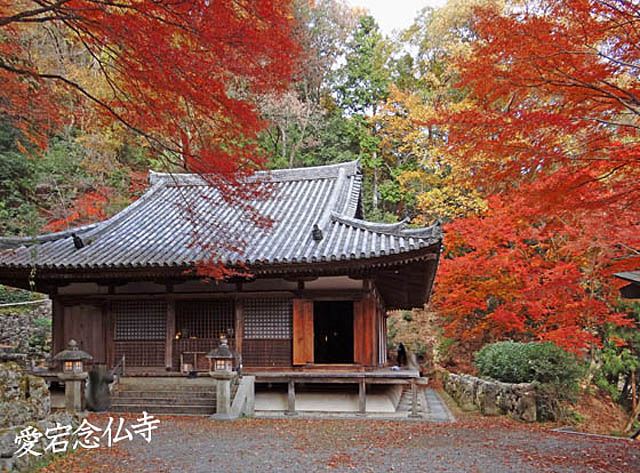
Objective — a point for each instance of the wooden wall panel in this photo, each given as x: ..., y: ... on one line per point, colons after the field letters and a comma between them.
x: 358, y: 332
x: 170, y: 335
x: 302, y: 331
x: 84, y: 324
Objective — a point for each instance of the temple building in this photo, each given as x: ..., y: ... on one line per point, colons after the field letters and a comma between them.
x: 311, y: 290
x: 632, y: 289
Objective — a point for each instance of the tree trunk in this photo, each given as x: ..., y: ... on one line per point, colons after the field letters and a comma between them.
x: 374, y: 198
x: 284, y: 142
x: 634, y: 414
x: 634, y: 396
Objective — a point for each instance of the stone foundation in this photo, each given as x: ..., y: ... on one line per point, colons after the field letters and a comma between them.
x: 518, y: 401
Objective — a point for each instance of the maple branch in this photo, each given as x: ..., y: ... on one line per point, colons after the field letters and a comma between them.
x: 589, y: 86
x: 607, y: 122
x: 573, y: 81
x: 123, y: 6
x: 633, y: 250
x: 609, y: 173
x: 114, y: 88
x: 93, y: 98
x: 20, y: 17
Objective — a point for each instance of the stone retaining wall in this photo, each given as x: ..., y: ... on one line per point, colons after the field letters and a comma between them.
x: 518, y: 401
x: 25, y: 333
x: 25, y: 401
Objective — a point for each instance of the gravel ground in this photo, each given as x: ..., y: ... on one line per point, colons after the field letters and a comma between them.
x: 186, y: 445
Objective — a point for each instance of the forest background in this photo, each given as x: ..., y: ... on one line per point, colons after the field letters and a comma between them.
x: 514, y: 123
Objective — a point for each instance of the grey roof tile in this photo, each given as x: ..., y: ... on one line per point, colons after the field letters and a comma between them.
x: 631, y: 276
x: 160, y: 228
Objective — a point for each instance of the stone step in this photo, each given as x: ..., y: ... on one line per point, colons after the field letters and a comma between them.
x: 166, y: 384
x: 163, y: 401
x: 155, y: 387
x: 406, y: 400
x: 165, y: 394
x: 164, y: 409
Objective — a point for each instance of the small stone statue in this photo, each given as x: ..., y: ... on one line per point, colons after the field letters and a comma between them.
x: 402, y: 355
x: 98, y: 395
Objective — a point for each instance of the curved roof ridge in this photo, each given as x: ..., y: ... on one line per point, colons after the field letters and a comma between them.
x: 349, y: 168
x: 398, y: 228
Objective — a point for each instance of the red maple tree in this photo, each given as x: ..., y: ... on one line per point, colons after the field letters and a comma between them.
x: 552, y: 138
x: 514, y: 273
x: 555, y: 90
x: 179, y: 73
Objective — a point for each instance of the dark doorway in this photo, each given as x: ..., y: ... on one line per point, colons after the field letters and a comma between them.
x: 333, y: 332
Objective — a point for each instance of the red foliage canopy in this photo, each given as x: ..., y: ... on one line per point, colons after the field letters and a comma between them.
x: 515, y: 274
x: 555, y: 86
x: 179, y: 73
x: 553, y: 137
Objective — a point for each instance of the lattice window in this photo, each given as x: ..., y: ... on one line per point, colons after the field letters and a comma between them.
x: 141, y: 353
x: 268, y: 319
x: 140, y: 320
x: 205, y: 319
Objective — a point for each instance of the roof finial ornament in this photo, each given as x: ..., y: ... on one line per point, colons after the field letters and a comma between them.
x: 316, y: 233
x: 77, y: 241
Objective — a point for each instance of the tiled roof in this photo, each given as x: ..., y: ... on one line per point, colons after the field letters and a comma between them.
x: 631, y: 276
x: 159, y: 229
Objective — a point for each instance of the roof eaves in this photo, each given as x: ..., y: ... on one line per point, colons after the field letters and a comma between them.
x: 631, y: 276
x: 8, y: 243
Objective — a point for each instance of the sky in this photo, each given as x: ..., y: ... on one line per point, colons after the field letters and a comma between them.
x: 395, y: 14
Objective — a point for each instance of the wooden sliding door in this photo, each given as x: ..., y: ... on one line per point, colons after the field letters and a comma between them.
x: 302, y: 331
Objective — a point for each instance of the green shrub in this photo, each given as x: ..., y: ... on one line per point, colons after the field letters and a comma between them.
x: 554, y: 371
x: 514, y: 362
x: 419, y: 349
x: 40, y: 339
x: 10, y: 295
x: 445, y: 350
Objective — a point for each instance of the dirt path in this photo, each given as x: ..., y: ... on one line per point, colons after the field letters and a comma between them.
x: 194, y: 445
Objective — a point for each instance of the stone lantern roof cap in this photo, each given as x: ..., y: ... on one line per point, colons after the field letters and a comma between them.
x: 222, y: 351
x: 72, y: 353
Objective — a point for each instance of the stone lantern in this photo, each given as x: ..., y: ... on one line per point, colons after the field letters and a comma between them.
x: 221, y: 360
x: 74, y: 375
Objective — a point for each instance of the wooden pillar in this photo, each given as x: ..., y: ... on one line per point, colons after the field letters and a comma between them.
x: 362, y: 397
x: 108, y: 325
x: 171, y: 333
x: 239, y: 329
x: 634, y: 395
x: 291, y: 398
x: 57, y: 323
